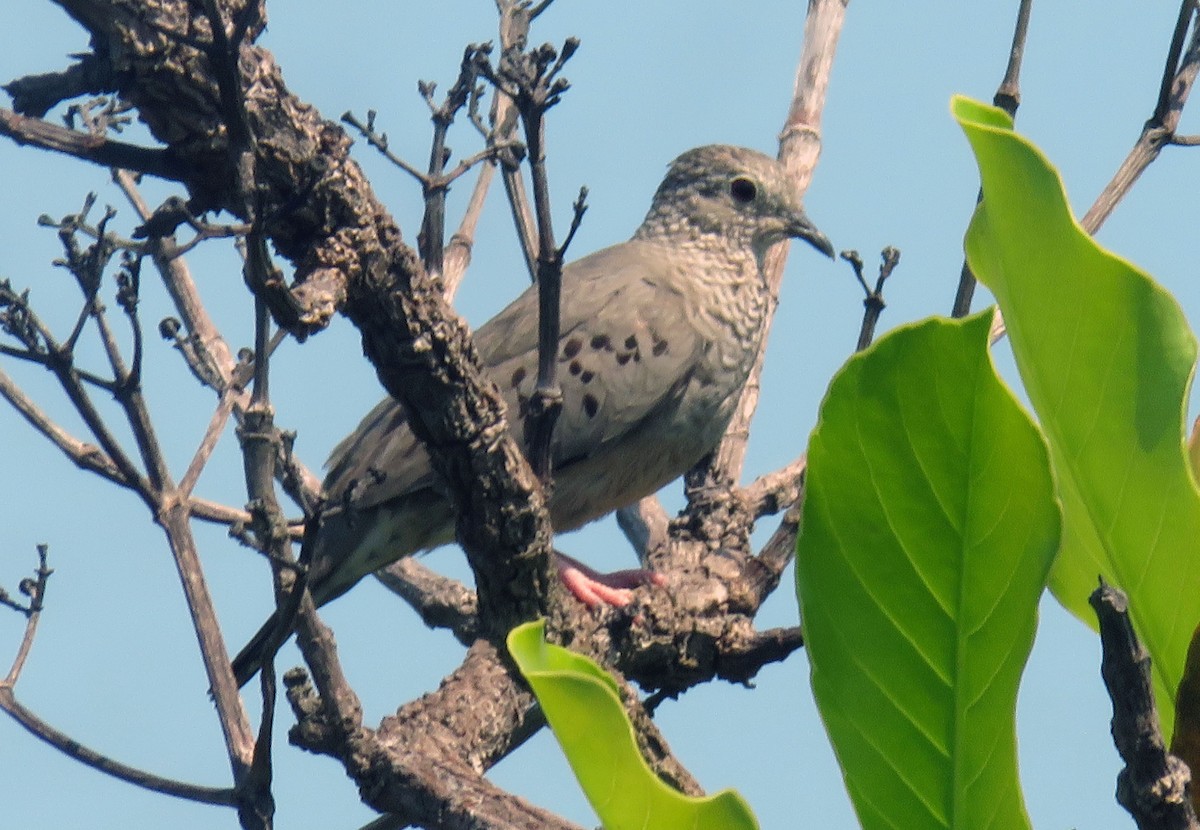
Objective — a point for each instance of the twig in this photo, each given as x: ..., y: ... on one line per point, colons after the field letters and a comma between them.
x: 1008, y: 98
x: 779, y: 550
x: 873, y: 301
x: 431, y: 237
x: 515, y: 17
x: 35, y: 589
x: 775, y: 491
x: 85, y: 456
x: 1179, y: 75
x: 799, y: 149
x: 35, y: 95
x: 206, y: 352
x: 1154, y: 784
x: 533, y: 81
x: 440, y: 601
x: 458, y: 251
x: 47, y: 136
x: 60, y: 362
x: 212, y: 434
x: 379, y: 141
x: 92, y: 458
x: 102, y: 763
x: 644, y: 525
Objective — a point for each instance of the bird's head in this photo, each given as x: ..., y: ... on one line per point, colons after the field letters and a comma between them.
x: 735, y: 194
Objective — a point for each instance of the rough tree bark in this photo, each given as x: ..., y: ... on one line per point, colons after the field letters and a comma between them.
x: 238, y: 140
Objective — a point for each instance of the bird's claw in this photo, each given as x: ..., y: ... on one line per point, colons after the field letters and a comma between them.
x: 593, y: 588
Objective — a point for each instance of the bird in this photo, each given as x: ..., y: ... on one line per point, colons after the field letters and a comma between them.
x: 658, y: 335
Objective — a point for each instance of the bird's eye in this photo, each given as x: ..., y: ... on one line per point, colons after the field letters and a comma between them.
x: 743, y: 190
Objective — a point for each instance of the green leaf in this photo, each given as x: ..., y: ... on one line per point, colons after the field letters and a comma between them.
x: 582, y: 706
x: 1106, y: 358
x: 929, y: 527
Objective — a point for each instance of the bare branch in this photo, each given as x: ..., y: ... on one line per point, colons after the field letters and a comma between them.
x: 644, y: 525
x: 1154, y: 784
x: 1179, y: 75
x: 441, y: 602
x: 799, y: 148
x: 35, y: 95
x: 873, y: 301
x: 775, y: 491
x: 531, y: 78
x: 102, y: 763
x: 1008, y: 98
x: 212, y: 434
x: 458, y: 251
x: 47, y: 136
x: 35, y: 589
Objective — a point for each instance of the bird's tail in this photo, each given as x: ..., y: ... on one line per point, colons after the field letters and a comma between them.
x: 265, y: 641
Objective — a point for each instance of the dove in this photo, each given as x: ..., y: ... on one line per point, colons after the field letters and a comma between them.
x: 658, y: 335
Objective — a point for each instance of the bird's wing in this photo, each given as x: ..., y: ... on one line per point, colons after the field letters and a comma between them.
x: 626, y: 348
x: 380, y: 460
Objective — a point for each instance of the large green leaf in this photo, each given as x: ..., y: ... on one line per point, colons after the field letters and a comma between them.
x: 1106, y: 358
x: 929, y: 527
x: 582, y: 706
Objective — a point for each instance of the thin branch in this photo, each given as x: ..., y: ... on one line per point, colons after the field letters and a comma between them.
x: 1178, y: 78
x: 532, y: 80
x: 35, y: 589
x: 431, y: 236
x: 1187, y: 10
x: 1008, y: 98
x: 799, y: 149
x: 207, y: 353
x: 379, y: 141
x: 779, y: 551
x: 873, y: 303
x: 102, y: 763
x: 440, y: 601
x: 515, y: 18
x: 778, y: 490
x: 212, y: 434
x: 47, y: 136
x: 644, y: 525
x: 60, y: 362
x: 83, y: 455
x: 458, y: 251
x: 90, y: 457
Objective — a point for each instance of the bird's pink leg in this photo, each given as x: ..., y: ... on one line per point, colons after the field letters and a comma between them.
x: 593, y: 588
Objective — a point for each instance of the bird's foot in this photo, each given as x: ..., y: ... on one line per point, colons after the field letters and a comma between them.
x: 593, y: 588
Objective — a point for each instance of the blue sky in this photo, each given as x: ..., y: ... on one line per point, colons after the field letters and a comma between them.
x: 115, y: 664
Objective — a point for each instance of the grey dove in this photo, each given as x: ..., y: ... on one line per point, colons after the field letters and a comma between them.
x: 658, y: 335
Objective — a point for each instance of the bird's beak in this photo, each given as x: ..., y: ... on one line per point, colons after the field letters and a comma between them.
x: 801, y: 227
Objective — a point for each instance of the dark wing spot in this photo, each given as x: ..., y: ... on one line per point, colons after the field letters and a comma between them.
x: 586, y: 376
x: 572, y: 347
x: 631, y: 342
x: 575, y: 367
x: 601, y: 341
x: 518, y: 376
x: 623, y: 358
x: 590, y: 405
x: 660, y: 347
